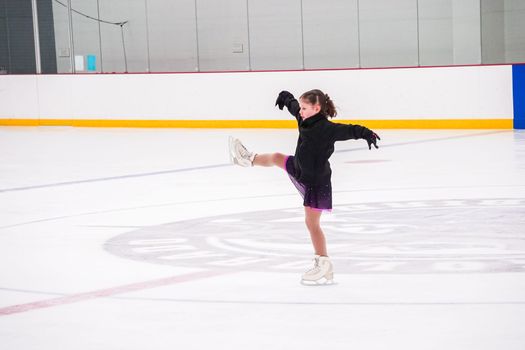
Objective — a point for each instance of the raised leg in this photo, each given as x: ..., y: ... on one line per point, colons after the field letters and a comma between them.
x: 270, y: 159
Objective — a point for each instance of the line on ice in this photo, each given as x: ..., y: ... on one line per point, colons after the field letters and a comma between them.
x: 214, y: 166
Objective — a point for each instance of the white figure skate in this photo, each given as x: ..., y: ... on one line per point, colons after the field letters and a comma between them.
x: 322, y: 272
x: 239, y: 154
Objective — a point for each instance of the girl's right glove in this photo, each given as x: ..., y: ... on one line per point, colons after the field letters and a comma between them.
x: 283, y: 97
x: 371, y: 138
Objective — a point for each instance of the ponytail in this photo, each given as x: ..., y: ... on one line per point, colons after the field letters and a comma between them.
x: 329, y: 107
x: 317, y: 96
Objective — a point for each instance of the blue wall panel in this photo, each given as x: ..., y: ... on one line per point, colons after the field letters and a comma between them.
x: 518, y: 92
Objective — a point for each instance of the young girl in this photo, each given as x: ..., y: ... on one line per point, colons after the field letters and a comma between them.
x: 309, y: 168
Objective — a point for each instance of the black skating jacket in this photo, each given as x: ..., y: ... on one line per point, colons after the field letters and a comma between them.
x: 315, y: 145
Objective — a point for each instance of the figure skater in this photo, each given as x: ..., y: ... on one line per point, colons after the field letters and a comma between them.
x: 309, y: 168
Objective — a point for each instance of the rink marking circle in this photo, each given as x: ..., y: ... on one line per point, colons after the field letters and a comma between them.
x: 428, y: 236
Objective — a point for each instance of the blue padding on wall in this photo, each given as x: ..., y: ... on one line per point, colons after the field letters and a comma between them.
x: 518, y: 93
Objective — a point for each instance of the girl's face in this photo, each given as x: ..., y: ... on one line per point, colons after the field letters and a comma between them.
x: 308, y: 109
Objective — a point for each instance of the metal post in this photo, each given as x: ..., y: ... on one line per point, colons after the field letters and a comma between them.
x: 71, y: 41
x: 198, y: 68
x: 124, y: 46
x: 100, y: 38
x: 302, y: 34
x: 249, y: 42
x: 36, y: 34
x: 358, y: 37
x: 147, y: 36
x: 417, y: 33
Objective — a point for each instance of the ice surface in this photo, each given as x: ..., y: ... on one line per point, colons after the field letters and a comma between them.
x: 149, y: 239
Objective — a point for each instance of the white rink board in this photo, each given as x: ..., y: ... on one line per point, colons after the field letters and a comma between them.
x: 474, y: 92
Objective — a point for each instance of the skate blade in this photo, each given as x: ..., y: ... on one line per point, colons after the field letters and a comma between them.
x: 323, y: 282
x: 231, y: 140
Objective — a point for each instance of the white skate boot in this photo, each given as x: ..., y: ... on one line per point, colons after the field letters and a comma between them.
x: 239, y: 154
x: 321, y: 273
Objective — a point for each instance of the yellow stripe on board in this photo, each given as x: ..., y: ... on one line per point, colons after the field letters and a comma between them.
x: 271, y: 124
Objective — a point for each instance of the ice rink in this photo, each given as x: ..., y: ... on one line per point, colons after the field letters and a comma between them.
x: 150, y: 239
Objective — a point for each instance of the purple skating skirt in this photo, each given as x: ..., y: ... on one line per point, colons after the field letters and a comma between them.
x: 316, y: 197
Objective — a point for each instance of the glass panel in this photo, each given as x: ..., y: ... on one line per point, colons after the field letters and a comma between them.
x: 163, y: 35
x: 330, y: 34
x: 172, y: 35
x: 449, y: 32
x: 16, y: 30
x: 435, y: 32
x: 466, y: 31
x: 124, y: 48
x: 48, y: 59
x: 86, y: 35
x: 60, y: 27
x: 514, y: 31
x: 388, y: 33
x: 223, y: 35
x: 493, y: 31
x: 275, y: 34
x: 4, y: 48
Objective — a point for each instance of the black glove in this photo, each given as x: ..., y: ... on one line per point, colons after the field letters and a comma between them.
x: 283, y: 97
x: 371, y: 138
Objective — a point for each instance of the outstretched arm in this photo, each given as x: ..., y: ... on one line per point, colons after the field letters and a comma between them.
x: 287, y: 99
x: 342, y: 132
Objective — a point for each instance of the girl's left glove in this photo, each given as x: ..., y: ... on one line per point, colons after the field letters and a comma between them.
x: 283, y: 98
x: 371, y: 138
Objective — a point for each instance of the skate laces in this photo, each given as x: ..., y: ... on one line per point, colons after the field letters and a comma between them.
x: 243, y: 151
x: 316, y: 267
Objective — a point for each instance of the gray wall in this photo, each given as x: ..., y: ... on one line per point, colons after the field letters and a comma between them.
x: 4, y: 47
x: 17, y: 46
x: 172, y: 35
x: 17, y: 51
x: 503, y: 31
x: 46, y: 30
x: 210, y: 35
